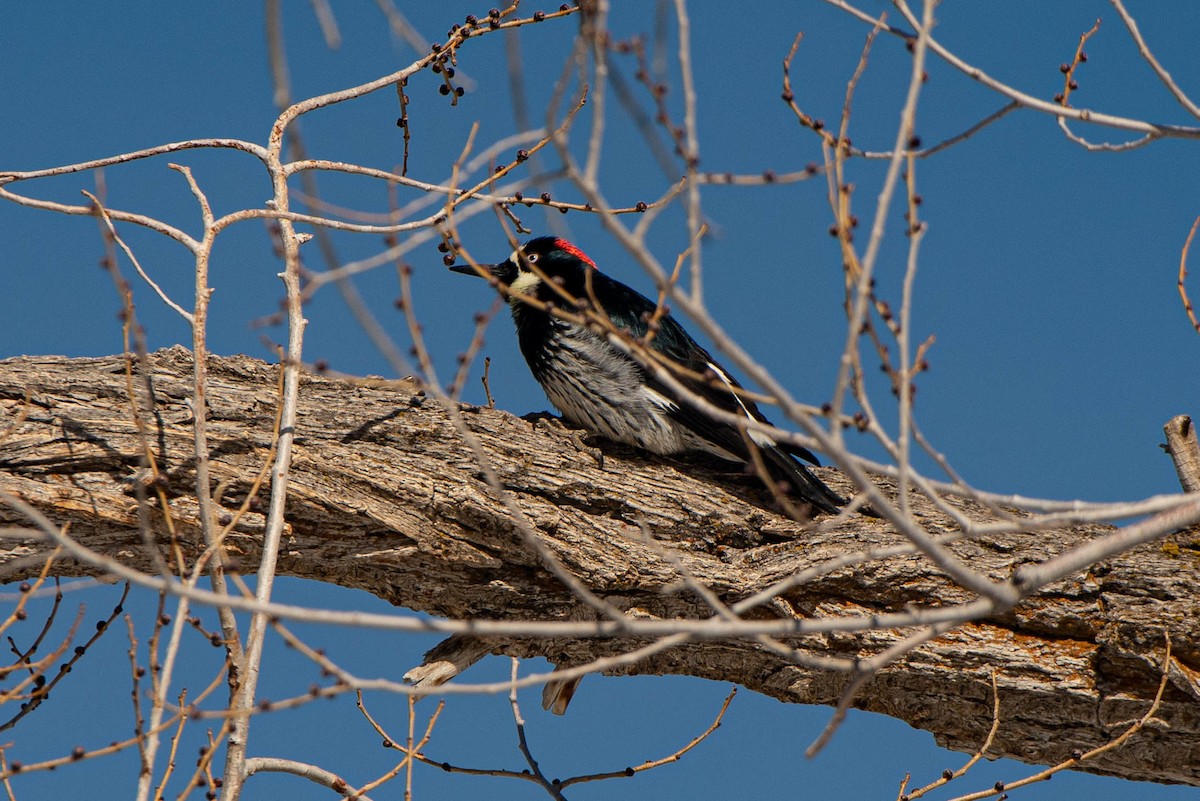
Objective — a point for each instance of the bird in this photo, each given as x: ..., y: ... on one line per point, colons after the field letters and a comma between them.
x: 595, y: 381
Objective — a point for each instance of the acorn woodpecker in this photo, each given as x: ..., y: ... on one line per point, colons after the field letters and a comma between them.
x: 600, y: 386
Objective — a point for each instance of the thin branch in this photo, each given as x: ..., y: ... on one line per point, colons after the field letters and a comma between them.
x: 1183, y: 256
x: 304, y: 770
x: 655, y: 763
x: 1158, y: 68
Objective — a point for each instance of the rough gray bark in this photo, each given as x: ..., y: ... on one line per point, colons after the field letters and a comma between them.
x: 387, y: 498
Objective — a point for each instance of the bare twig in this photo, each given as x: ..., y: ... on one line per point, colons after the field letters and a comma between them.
x: 1187, y: 301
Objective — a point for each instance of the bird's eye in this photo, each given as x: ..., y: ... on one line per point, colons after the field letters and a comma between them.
x: 531, y: 258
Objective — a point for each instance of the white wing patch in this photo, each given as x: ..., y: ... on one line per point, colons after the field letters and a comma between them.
x: 660, y: 400
x: 760, y: 439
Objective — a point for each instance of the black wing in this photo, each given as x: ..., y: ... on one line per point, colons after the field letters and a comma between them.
x: 631, y: 311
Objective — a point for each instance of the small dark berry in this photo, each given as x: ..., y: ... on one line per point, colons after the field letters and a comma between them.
x: 472, y: 19
x: 641, y: 205
x: 522, y: 155
x: 545, y: 197
x: 443, y: 89
x: 448, y: 259
x: 1064, y: 68
x: 538, y: 16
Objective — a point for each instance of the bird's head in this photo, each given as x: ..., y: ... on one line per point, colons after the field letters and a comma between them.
x: 546, y: 257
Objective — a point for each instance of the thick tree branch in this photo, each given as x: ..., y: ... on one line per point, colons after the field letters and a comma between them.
x: 385, y: 497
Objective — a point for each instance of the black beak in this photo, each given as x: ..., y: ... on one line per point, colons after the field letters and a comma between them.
x: 467, y: 269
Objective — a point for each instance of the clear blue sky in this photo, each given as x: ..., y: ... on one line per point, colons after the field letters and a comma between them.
x: 1047, y: 275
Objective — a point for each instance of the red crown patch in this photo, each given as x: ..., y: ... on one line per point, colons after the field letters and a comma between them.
x: 567, y: 247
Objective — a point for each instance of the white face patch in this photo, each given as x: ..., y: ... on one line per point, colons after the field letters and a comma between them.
x: 526, y: 282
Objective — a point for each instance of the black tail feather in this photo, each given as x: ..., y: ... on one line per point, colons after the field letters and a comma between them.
x: 808, y: 487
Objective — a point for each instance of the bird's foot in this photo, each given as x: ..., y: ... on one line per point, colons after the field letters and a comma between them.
x: 576, y: 435
x: 577, y: 438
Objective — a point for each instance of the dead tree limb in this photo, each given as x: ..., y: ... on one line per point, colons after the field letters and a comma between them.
x: 385, y: 497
